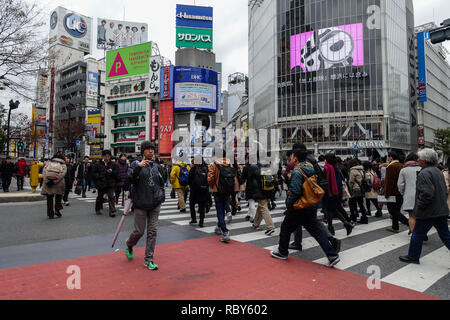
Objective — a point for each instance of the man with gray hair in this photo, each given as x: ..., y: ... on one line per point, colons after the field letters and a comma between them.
x: 430, y: 209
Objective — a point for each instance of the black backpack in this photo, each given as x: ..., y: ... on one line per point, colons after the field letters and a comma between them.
x: 226, y: 180
x: 200, y: 181
x: 366, y: 185
x: 321, y: 178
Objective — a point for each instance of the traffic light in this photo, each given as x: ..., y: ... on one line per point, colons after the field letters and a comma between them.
x: 20, y: 146
x: 441, y: 34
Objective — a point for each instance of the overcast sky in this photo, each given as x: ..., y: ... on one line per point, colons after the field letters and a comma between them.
x: 230, y: 25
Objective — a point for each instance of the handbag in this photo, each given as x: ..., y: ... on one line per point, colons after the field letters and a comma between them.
x: 345, y: 192
x: 312, y: 193
x: 78, y: 188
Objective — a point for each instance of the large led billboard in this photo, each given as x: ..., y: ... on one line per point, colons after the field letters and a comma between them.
x: 129, y: 61
x: 116, y: 34
x: 338, y: 46
x: 195, y: 89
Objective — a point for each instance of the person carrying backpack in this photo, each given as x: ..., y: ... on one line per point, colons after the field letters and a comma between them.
x: 179, y: 179
x: 53, y: 186
x: 357, y: 191
x: 260, y: 183
x: 303, y: 189
x: 223, y: 182
x: 375, y: 184
x: 198, y: 182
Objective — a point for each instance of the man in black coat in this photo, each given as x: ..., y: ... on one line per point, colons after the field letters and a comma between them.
x: 198, y: 182
x: 68, y: 179
x: 84, y: 175
x: 7, y: 171
x: 106, y: 175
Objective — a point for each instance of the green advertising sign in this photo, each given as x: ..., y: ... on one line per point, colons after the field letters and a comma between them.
x: 129, y: 61
x: 197, y: 38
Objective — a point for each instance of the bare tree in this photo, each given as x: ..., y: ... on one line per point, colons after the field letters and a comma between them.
x: 23, y: 49
x: 69, y: 132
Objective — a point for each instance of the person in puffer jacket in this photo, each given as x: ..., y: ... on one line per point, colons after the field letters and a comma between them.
x: 147, y: 194
x: 122, y: 185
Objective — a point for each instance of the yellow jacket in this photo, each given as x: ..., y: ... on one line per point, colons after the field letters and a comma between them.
x: 174, y: 174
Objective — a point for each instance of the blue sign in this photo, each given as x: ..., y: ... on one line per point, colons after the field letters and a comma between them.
x: 53, y: 20
x: 166, y: 83
x: 196, y: 89
x: 194, y: 17
x: 75, y: 25
x: 78, y: 143
x: 356, y: 148
x: 421, y: 60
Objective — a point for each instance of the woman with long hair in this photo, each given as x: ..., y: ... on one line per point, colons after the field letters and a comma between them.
x: 54, y: 184
x: 333, y: 196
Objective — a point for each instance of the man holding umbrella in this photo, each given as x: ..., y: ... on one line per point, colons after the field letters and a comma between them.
x: 147, y: 194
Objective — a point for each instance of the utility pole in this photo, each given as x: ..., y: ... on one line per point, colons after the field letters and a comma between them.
x: 12, y: 105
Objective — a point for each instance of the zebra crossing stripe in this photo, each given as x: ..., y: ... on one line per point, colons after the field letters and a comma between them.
x: 310, y: 242
x: 367, y: 251
x: 420, y: 277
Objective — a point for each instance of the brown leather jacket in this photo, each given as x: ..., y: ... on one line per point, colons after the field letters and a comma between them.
x: 213, y: 175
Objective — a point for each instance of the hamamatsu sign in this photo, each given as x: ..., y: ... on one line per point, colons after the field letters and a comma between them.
x: 194, y: 27
x: 128, y: 62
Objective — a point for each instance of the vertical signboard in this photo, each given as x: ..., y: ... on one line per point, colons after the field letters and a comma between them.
x: 421, y: 60
x: 166, y: 83
x: 92, y: 84
x: 155, y: 70
x: 165, y: 127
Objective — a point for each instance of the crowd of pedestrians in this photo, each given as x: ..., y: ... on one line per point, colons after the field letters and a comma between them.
x: 415, y: 185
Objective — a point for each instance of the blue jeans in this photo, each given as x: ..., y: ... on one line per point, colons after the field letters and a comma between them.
x: 421, y: 229
x: 84, y: 186
x: 221, y: 204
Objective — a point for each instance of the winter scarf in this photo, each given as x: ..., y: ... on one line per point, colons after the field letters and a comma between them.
x: 411, y: 164
x: 331, y: 177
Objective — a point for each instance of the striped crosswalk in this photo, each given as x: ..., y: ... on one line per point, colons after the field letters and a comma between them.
x: 369, y: 243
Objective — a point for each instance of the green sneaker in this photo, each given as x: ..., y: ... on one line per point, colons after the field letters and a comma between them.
x: 151, y: 265
x: 129, y: 253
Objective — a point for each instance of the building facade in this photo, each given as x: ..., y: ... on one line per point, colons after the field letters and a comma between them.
x: 434, y: 113
x: 334, y: 74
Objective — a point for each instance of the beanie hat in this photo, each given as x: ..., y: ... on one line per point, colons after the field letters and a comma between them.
x: 146, y: 145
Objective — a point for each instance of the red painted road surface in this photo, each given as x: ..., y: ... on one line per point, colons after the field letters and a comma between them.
x: 202, y: 269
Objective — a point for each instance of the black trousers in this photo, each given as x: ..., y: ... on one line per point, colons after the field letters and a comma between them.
x: 67, y: 190
x: 6, y: 182
x: 330, y: 205
x: 354, y: 203
x: 395, y: 212
x: 51, y: 207
x: 99, y: 200
x: 20, y: 180
x: 298, y: 232
x: 307, y: 218
x: 375, y: 203
x: 201, y: 209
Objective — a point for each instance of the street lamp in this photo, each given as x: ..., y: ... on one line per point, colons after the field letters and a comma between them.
x: 12, y: 105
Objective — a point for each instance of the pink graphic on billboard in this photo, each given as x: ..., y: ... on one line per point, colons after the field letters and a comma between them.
x: 339, y: 46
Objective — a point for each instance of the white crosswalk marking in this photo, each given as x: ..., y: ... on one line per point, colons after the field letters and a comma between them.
x: 371, y: 250
x: 420, y: 277
x: 433, y: 267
